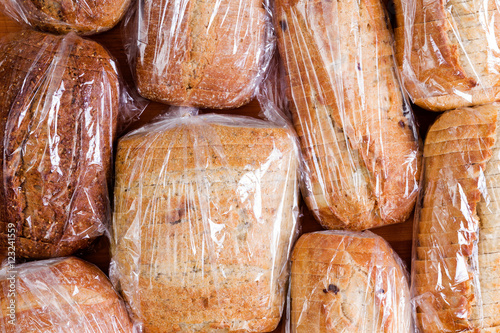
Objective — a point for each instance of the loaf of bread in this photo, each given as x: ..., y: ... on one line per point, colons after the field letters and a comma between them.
x: 59, y: 100
x: 84, y: 17
x: 448, y: 52
x: 456, y: 279
x: 348, y: 282
x: 357, y: 134
x: 205, y: 213
x: 63, y: 295
x: 207, y: 54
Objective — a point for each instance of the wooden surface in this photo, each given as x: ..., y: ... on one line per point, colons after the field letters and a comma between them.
x: 399, y: 235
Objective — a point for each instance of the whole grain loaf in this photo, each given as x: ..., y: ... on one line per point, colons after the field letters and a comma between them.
x: 59, y: 99
x: 204, y: 219
x: 357, y: 136
x: 64, y: 295
x: 348, y: 282
x: 455, y: 272
x: 208, y: 54
x: 447, y: 52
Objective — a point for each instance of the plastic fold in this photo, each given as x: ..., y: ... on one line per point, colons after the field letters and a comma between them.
x: 205, y: 217
x: 344, y: 281
x: 455, y: 270
x: 357, y: 132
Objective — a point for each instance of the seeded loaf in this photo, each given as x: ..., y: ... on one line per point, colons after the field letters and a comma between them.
x: 64, y: 295
x: 202, y: 53
x: 456, y: 275
x: 357, y: 137
x: 59, y: 99
x: 204, y: 217
x: 81, y: 16
x: 348, y: 282
x: 447, y: 52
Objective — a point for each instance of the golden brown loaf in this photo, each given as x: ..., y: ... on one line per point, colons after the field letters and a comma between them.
x: 358, y: 140
x: 455, y: 271
x: 448, y: 52
x: 202, y: 53
x: 59, y: 99
x: 346, y: 282
x: 204, y: 216
x: 66, y: 295
x: 62, y: 16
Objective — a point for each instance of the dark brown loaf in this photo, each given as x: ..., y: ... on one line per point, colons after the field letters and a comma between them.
x: 358, y: 141
x: 203, y: 223
x: 59, y: 101
x: 66, y: 295
x: 202, y: 53
x: 84, y: 17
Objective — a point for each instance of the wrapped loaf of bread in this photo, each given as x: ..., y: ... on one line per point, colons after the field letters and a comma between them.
x: 456, y: 275
x: 63, y: 295
x: 84, y: 17
x: 59, y: 101
x: 347, y: 282
x: 207, y: 54
x: 205, y: 213
x: 448, y: 52
x: 357, y: 133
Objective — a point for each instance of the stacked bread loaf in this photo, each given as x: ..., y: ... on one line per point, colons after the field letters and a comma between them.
x: 208, y: 54
x: 348, y: 282
x: 204, y: 220
x: 81, y: 16
x: 448, y: 52
x: 59, y: 99
x: 455, y: 272
x: 65, y: 295
x: 357, y: 136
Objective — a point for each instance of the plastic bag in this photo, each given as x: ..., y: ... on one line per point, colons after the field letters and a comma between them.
x: 455, y: 270
x: 64, y: 295
x: 348, y: 282
x: 61, y: 103
x: 448, y: 52
x: 357, y: 132
x: 206, y: 54
x: 205, y: 217
x: 62, y: 16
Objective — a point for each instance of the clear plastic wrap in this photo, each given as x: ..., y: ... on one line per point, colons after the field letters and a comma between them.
x: 61, y: 102
x: 347, y: 282
x: 357, y: 132
x: 456, y: 262
x: 206, y: 54
x: 205, y: 218
x: 84, y: 17
x: 63, y: 295
x: 448, y: 52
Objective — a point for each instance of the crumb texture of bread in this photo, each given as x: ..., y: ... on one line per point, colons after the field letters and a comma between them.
x: 456, y: 279
x: 204, y: 221
x: 85, y: 17
x: 357, y: 133
x: 202, y: 53
x: 63, y: 295
x: 59, y: 100
x: 346, y: 282
x: 447, y: 52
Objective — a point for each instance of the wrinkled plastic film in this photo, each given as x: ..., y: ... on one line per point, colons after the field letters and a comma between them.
x: 448, y: 52
x: 344, y: 281
x: 81, y: 16
x: 207, y: 54
x: 455, y: 266
x: 59, y: 112
x: 357, y: 132
x: 64, y: 295
x: 205, y: 217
